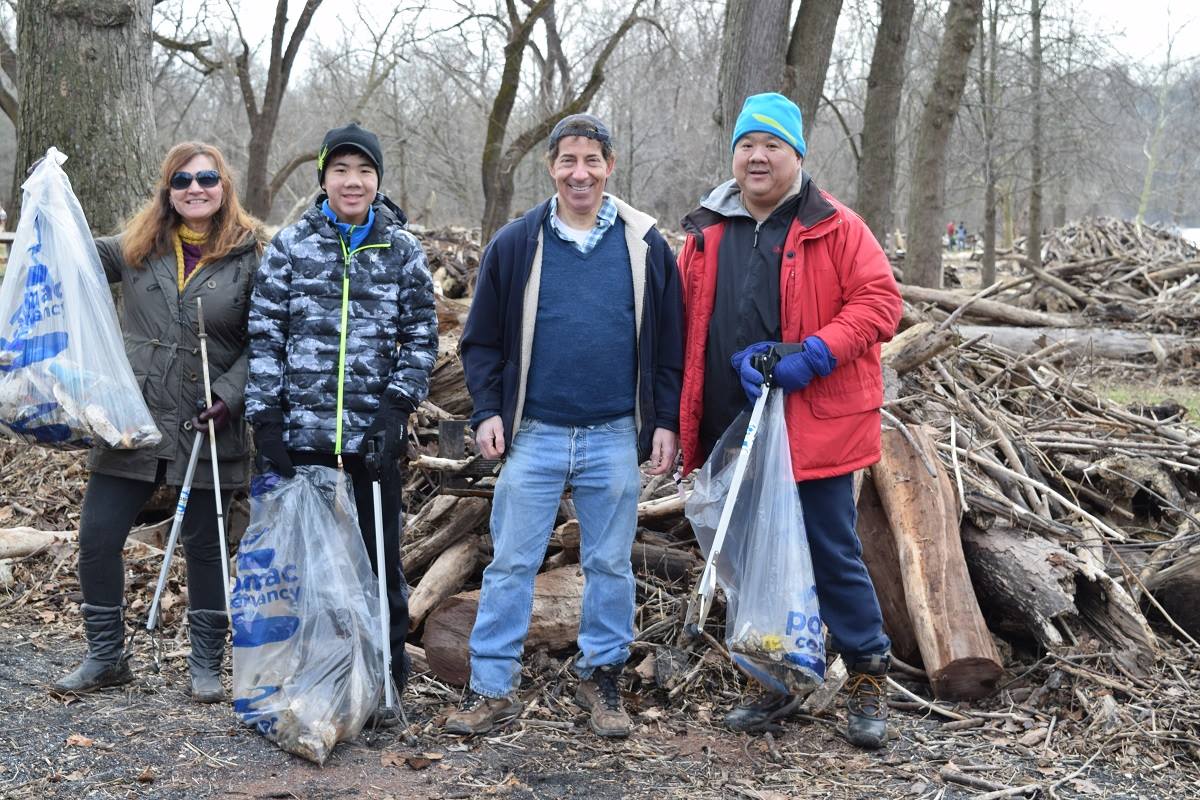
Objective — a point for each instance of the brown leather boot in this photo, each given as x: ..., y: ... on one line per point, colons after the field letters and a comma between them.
x: 478, y: 714
x: 601, y: 694
x: 867, y: 707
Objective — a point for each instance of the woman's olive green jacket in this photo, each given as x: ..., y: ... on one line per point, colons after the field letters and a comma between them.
x: 163, y: 345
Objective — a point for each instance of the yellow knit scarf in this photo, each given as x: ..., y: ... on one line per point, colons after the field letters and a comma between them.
x: 185, y: 234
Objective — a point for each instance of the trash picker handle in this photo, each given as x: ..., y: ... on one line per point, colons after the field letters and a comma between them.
x: 381, y: 577
x: 212, y: 442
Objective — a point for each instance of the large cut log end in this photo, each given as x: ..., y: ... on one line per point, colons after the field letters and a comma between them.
x: 966, y: 679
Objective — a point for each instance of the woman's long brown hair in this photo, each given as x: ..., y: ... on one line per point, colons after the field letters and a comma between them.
x: 151, y: 230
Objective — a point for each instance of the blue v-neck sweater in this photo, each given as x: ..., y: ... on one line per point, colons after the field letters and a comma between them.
x: 583, y: 369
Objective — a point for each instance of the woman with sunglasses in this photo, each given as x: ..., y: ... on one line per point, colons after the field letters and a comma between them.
x: 191, y: 241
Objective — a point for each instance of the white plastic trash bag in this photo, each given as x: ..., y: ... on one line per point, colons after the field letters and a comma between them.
x: 64, y: 379
x: 773, y: 621
x: 307, y: 657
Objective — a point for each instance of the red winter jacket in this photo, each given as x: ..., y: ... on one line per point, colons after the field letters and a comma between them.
x: 836, y: 283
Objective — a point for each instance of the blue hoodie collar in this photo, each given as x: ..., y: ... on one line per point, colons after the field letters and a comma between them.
x: 355, y: 234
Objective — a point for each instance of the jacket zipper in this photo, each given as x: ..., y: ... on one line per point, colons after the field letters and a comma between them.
x: 347, y: 254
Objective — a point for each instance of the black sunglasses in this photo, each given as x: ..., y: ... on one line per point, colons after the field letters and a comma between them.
x: 207, y: 178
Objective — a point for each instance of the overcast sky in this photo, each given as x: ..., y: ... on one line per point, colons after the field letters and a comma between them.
x: 1140, y: 28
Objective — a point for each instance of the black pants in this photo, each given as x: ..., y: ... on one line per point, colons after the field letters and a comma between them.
x: 390, y: 489
x: 110, y: 506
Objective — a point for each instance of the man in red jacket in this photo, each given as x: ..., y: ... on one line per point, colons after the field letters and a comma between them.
x: 771, y: 263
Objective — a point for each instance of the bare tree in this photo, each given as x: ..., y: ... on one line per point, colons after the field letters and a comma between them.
x: 885, y: 84
x: 558, y: 97
x: 923, y: 261
x: 808, y: 53
x: 263, y: 117
x: 88, y: 93
x: 1033, y: 241
x: 753, y: 55
x: 989, y: 54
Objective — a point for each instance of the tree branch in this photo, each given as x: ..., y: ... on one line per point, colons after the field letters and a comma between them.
x: 285, y: 172
x: 194, y: 48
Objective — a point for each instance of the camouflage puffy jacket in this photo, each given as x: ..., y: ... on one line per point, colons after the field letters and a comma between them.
x: 296, y: 329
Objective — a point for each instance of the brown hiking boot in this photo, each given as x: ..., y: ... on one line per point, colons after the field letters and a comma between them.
x: 866, y: 707
x: 601, y: 694
x: 478, y: 714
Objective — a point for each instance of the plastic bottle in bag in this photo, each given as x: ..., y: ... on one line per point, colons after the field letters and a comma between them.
x: 64, y: 379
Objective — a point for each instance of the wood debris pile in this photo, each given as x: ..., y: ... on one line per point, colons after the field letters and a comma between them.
x: 453, y: 254
x: 1120, y: 273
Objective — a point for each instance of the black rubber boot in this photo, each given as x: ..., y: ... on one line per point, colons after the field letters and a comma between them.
x: 208, y: 630
x: 866, y: 707
x: 105, y: 663
x: 757, y: 715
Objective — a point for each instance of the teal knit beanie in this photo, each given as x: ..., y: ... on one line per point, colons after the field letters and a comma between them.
x: 774, y: 114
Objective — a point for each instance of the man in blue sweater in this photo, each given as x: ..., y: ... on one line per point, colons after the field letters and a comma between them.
x: 573, y: 357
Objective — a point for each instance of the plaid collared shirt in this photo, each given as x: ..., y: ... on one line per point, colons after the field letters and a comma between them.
x: 605, y: 218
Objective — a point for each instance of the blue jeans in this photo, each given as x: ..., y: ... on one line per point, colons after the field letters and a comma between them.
x: 849, y: 605
x: 600, y: 464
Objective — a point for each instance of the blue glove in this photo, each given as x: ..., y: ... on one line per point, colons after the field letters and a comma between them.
x: 798, y: 366
x: 751, y: 378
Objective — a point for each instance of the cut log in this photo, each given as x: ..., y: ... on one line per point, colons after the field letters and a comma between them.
x: 21, y: 542
x: 669, y: 563
x: 441, y: 523
x: 1103, y: 342
x: 1177, y: 587
x: 883, y: 564
x: 448, y: 386
x: 557, y: 600
x: 663, y: 508
x: 913, y: 346
x: 992, y: 310
x: 1025, y: 584
x: 416, y: 657
x: 922, y: 511
x: 444, y: 577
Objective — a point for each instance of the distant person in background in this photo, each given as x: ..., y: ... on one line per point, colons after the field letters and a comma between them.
x: 191, y: 241
x: 950, y: 234
x: 960, y: 236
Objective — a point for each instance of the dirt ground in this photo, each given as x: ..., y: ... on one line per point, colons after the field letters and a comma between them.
x: 147, y: 740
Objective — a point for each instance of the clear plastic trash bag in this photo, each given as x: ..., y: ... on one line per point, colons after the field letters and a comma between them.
x: 307, y: 655
x: 773, y: 621
x: 64, y: 379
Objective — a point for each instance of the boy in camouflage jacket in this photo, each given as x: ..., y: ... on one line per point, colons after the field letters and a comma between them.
x: 343, y: 335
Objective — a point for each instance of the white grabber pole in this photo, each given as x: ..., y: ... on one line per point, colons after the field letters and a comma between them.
x: 381, y: 576
x: 212, y: 441
x: 176, y: 524
x: 706, y: 587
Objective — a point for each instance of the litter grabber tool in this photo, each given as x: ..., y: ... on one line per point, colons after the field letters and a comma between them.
x: 373, y: 466
x: 212, y: 441
x: 173, y: 538
x: 701, y: 602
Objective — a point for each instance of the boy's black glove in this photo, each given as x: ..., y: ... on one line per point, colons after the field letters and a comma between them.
x: 272, y: 452
x: 387, y: 434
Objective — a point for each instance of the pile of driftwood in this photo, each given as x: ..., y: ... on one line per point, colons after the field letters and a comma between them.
x: 453, y: 255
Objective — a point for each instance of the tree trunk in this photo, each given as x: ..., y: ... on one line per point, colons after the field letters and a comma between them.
x: 885, y: 84
x: 1033, y: 242
x: 926, y: 203
x: 85, y: 88
x: 808, y: 54
x: 922, y: 510
x: 988, y: 57
x: 753, y: 49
